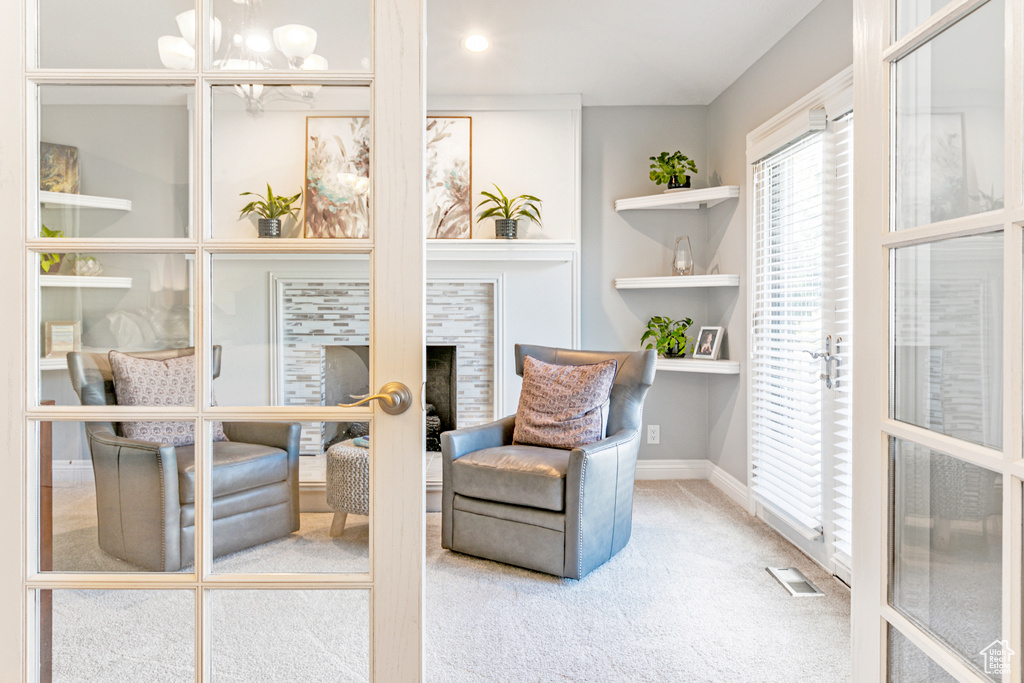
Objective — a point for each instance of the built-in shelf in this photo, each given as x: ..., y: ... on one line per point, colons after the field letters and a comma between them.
x: 708, y: 367
x: 83, y: 201
x: 675, y: 281
x: 85, y: 281
x: 500, y: 250
x: 681, y: 199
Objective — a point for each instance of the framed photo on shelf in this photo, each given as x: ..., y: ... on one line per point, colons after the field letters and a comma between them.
x: 62, y: 336
x: 709, y: 343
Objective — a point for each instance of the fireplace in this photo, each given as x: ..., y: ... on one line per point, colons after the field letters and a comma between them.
x: 441, y: 393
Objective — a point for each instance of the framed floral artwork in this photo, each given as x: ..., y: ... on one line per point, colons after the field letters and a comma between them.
x: 449, y: 199
x: 337, y: 193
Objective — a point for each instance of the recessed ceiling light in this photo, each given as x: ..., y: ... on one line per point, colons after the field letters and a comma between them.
x: 476, y: 43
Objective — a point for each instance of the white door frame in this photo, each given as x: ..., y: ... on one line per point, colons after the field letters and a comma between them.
x: 874, y: 56
x: 396, y: 251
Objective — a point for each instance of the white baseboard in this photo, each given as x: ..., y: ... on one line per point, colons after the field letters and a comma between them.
x: 71, y: 472
x: 732, y: 487
x: 672, y: 469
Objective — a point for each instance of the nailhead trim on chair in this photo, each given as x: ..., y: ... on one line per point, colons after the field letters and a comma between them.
x: 579, y: 552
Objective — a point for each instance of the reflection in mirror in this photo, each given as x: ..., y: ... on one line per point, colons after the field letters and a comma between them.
x: 947, y: 548
x: 115, y: 161
x: 131, y: 303
x: 116, y: 635
x: 303, y: 635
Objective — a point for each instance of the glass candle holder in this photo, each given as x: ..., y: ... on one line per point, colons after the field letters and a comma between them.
x: 682, y: 257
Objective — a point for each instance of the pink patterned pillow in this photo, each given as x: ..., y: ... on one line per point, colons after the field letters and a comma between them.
x: 147, y: 382
x: 563, y: 406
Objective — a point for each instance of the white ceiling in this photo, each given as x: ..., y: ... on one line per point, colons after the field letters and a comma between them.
x: 613, y: 52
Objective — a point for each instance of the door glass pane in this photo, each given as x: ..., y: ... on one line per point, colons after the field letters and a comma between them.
x: 115, y: 34
x: 947, y: 548
x: 112, y: 496
x: 309, y: 141
x: 298, y: 341
x: 132, y: 303
x: 907, y: 664
x: 949, y: 122
x: 115, y: 161
x: 290, y: 497
x: 117, y: 635
x: 276, y: 34
x: 302, y: 635
x: 912, y: 13
x: 948, y: 337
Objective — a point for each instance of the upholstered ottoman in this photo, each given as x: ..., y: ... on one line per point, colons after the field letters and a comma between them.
x: 348, y: 483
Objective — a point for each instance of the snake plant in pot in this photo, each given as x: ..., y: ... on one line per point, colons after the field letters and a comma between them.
x: 270, y: 209
x: 667, y: 336
x: 509, y: 211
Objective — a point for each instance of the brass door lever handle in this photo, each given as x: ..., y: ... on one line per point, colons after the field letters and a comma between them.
x: 395, y: 398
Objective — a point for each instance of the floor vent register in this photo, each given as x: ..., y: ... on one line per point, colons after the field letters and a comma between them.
x: 795, y: 582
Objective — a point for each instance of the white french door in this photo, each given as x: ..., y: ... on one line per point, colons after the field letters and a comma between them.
x: 801, y: 332
x: 938, y: 419
x: 169, y: 121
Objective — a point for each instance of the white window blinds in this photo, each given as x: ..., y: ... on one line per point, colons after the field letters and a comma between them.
x: 787, y: 305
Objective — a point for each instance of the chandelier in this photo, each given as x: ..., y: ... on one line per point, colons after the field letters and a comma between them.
x: 248, y: 50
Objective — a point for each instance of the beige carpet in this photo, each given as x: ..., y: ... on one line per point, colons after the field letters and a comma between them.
x: 687, y: 600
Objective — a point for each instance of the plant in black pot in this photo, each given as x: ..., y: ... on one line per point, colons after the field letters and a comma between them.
x: 509, y: 211
x: 672, y: 169
x: 667, y: 336
x: 48, y: 261
x: 270, y: 209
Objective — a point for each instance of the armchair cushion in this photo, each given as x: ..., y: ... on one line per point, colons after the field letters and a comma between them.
x: 149, y: 382
x: 236, y: 467
x: 517, y: 475
x: 563, y: 406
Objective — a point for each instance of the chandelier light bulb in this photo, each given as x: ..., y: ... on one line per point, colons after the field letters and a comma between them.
x: 257, y: 43
x: 476, y: 43
x: 295, y: 41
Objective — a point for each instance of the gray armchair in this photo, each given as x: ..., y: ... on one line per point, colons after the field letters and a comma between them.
x: 145, y: 491
x: 563, y: 512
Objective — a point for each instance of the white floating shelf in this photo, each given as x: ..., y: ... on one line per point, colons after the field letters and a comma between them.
x: 83, y: 201
x: 85, y: 281
x: 682, y: 199
x: 53, y: 363
x: 708, y: 367
x: 675, y: 281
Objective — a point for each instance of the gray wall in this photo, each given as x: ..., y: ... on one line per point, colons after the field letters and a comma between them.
x: 617, y: 142
x: 818, y: 48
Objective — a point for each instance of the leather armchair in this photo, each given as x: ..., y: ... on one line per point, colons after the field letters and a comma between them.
x: 563, y: 512
x: 145, y: 491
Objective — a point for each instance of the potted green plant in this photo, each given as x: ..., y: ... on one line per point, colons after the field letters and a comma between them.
x: 48, y: 261
x: 270, y: 209
x: 668, y: 336
x: 509, y: 211
x: 667, y: 169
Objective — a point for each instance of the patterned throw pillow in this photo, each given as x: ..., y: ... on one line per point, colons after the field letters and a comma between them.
x: 563, y: 406
x: 148, y: 382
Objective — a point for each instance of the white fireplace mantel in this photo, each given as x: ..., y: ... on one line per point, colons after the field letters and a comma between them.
x: 501, y: 250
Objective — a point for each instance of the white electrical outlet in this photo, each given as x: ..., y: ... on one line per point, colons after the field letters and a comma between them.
x: 653, y: 433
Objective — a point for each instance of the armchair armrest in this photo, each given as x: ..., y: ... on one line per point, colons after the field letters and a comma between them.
x: 137, y: 499
x: 599, y: 500
x: 283, y: 435
x: 459, y: 442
